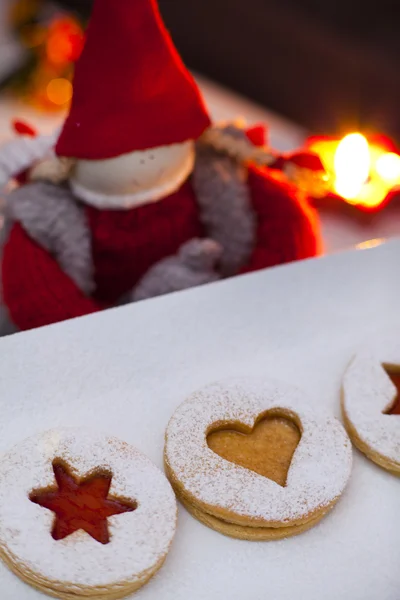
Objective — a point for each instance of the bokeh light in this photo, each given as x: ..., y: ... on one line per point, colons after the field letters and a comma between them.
x: 59, y: 91
x: 388, y: 167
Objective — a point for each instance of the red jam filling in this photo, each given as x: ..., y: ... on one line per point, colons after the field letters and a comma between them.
x: 395, y: 377
x: 81, y: 504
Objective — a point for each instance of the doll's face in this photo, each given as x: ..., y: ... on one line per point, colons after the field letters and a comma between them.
x: 136, y: 172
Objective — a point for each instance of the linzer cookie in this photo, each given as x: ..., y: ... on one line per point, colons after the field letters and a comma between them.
x: 371, y: 403
x: 253, y: 461
x: 83, y: 515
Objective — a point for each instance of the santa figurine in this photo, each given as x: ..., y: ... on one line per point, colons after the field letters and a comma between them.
x: 140, y: 194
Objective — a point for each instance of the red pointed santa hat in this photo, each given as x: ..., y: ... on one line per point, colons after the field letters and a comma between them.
x: 131, y: 89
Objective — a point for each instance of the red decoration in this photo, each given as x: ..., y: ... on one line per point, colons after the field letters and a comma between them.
x: 304, y: 161
x: 395, y: 377
x: 307, y: 160
x: 131, y: 90
x: 23, y: 128
x: 81, y: 504
x: 257, y: 134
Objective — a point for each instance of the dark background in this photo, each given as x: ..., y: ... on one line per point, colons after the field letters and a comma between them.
x: 328, y: 65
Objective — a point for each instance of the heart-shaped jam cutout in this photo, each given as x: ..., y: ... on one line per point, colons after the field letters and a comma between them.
x: 394, y: 374
x: 267, y: 449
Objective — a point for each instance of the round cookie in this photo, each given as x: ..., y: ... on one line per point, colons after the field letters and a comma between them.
x: 228, y: 492
x: 83, y: 515
x: 369, y: 394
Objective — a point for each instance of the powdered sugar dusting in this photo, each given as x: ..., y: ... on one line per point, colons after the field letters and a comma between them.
x: 139, y: 539
x: 368, y: 393
x: 318, y: 474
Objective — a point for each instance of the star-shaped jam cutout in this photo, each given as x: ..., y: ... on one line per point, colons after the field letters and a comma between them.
x: 81, y: 504
x: 395, y: 377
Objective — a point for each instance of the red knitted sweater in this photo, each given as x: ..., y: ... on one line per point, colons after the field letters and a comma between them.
x: 126, y: 244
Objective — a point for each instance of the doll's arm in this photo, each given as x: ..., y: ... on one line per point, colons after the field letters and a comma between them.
x: 195, y: 264
x: 286, y: 225
x: 35, y: 289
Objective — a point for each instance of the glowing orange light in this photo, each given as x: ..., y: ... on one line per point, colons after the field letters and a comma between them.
x: 360, y: 172
x: 59, y: 91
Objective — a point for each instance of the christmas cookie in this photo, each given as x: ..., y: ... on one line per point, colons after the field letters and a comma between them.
x: 253, y: 461
x: 371, y: 404
x: 83, y: 515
